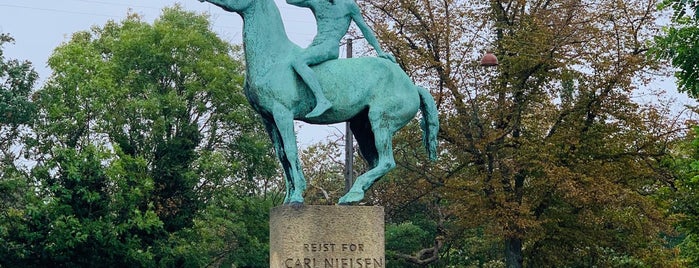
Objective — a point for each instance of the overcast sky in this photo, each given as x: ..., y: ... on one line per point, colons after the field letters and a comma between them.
x: 39, y: 26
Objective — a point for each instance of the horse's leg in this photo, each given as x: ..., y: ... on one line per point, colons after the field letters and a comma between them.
x: 384, y: 163
x: 273, y: 133
x: 284, y: 122
x: 361, y: 128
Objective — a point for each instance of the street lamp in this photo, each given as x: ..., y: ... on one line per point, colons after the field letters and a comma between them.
x: 489, y: 59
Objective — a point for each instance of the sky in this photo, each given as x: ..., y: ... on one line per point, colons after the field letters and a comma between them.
x: 39, y: 26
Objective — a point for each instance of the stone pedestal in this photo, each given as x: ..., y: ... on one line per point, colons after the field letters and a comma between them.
x: 327, y: 237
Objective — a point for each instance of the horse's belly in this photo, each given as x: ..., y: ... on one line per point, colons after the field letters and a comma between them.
x: 337, y: 114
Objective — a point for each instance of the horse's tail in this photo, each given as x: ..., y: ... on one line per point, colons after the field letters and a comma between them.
x: 429, y: 122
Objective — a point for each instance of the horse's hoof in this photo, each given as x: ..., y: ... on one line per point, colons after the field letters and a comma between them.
x: 351, y: 198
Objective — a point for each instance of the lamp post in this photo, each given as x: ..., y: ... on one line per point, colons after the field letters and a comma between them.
x: 349, y: 141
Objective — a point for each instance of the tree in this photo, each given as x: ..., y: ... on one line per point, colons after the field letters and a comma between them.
x: 323, y: 165
x: 17, y: 80
x: 683, y: 196
x: 549, y: 151
x: 678, y: 44
x: 79, y: 217
x: 678, y: 41
x: 169, y: 92
x: 146, y: 149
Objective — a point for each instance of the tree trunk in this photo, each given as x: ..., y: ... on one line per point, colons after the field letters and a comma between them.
x: 513, y: 252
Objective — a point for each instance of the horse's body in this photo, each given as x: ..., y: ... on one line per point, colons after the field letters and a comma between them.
x: 373, y: 94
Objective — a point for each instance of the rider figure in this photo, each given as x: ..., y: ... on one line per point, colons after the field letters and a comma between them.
x: 333, y: 18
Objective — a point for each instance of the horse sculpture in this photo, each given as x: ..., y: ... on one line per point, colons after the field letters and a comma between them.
x: 374, y: 95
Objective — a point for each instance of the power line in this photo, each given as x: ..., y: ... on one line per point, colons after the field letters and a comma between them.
x: 57, y: 10
x: 117, y: 4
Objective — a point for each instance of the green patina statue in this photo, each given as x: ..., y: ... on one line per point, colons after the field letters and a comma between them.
x: 333, y: 18
x: 373, y: 94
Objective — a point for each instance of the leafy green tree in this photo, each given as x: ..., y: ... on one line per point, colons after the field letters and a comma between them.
x: 682, y: 197
x: 169, y: 92
x: 404, y: 237
x: 231, y: 232
x: 72, y: 220
x: 147, y: 152
x: 17, y: 80
x: 678, y: 42
x: 16, y: 113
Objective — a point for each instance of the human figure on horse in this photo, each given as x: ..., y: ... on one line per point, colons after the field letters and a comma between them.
x: 333, y: 19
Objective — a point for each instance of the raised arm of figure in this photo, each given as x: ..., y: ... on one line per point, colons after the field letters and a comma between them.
x: 367, y: 32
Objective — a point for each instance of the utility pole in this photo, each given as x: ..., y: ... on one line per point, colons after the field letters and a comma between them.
x: 349, y: 141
